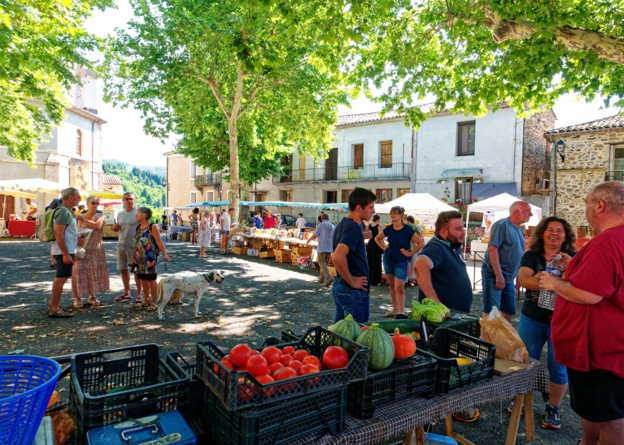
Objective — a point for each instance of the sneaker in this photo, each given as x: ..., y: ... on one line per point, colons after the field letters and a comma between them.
x: 552, y: 418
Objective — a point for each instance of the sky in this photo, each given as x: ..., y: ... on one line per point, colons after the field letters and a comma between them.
x: 125, y: 140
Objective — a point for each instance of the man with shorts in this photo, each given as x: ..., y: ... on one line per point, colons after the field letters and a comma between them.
x: 63, y: 249
x: 351, y: 286
x: 226, y: 224
x: 126, y: 226
x: 502, y: 260
x: 586, y: 327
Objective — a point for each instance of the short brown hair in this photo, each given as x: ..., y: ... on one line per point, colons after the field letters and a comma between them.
x: 445, y: 217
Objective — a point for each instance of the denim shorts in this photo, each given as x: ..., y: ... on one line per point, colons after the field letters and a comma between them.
x: 351, y: 301
x: 504, y: 299
x: 534, y: 335
x: 398, y: 271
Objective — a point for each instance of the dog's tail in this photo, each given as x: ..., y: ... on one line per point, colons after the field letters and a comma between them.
x: 160, y: 292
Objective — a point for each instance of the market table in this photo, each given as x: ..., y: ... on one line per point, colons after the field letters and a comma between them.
x: 404, y: 416
x: 22, y: 228
x: 180, y: 229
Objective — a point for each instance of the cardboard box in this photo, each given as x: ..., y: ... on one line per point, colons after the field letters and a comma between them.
x: 184, y: 236
x: 301, y: 251
x: 267, y: 254
x: 239, y: 250
x: 332, y: 271
x: 282, y: 255
x: 252, y: 252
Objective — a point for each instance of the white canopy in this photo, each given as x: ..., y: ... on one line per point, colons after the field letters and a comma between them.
x: 499, y: 206
x: 39, y: 185
x: 415, y: 202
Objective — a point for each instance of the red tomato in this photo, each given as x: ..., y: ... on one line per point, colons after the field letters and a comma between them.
x: 284, y: 373
x: 286, y: 359
x: 219, y: 371
x: 295, y: 364
x: 274, y: 367
x: 239, y: 355
x: 272, y: 354
x: 335, y: 357
x: 365, y: 328
x: 288, y: 350
x: 254, y: 352
x: 300, y: 354
x: 264, y: 380
x: 311, y: 360
x: 245, y: 391
x: 226, y: 357
x: 308, y: 369
x: 228, y: 365
x: 257, y: 365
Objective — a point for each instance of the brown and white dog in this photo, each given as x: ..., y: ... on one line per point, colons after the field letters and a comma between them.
x: 171, y: 288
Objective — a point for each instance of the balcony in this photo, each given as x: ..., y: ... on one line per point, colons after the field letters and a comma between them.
x: 207, y: 180
x: 617, y: 175
x: 371, y: 172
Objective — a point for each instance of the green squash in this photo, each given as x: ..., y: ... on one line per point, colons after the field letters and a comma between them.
x: 347, y: 328
x: 380, y: 347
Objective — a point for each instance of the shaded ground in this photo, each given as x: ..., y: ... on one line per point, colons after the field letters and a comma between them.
x: 258, y: 299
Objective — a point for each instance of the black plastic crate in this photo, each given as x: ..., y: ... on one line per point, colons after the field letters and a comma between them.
x: 414, y: 376
x: 278, y: 423
x: 191, y: 407
x: 447, y: 345
x: 110, y: 386
x: 459, y: 321
x: 240, y: 389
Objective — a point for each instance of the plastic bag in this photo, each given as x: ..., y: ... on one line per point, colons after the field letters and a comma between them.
x: 497, y: 330
x: 80, y: 253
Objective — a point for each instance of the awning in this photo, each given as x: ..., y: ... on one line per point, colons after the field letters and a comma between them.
x: 489, y: 189
x: 208, y: 204
x: 462, y: 172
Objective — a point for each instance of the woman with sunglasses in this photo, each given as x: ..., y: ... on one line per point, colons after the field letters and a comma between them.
x: 397, y: 253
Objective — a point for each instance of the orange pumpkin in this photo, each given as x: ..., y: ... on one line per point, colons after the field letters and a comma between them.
x: 404, y: 345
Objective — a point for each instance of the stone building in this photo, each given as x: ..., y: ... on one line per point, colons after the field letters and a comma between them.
x: 586, y: 154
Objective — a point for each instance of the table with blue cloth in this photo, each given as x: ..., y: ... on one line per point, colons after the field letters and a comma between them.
x: 407, y: 416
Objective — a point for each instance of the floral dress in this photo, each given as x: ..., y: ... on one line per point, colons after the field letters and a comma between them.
x: 204, y: 234
x: 145, y: 253
x: 90, y: 274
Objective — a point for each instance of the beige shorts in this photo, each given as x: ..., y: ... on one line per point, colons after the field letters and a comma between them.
x: 124, y: 257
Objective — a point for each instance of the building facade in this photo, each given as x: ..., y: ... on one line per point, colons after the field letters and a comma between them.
x: 586, y: 155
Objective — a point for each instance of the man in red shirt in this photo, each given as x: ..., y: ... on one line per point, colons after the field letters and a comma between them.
x: 586, y: 328
x: 269, y: 221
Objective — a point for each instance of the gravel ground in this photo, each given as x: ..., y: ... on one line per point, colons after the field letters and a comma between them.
x: 258, y: 299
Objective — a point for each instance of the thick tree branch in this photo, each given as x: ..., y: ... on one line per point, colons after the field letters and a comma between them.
x: 606, y: 47
x: 215, y: 90
x: 254, y: 95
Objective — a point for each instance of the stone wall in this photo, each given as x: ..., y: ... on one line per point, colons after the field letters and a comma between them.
x: 586, y: 163
x: 536, y: 155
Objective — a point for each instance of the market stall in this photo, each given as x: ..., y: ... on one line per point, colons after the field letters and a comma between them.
x: 22, y: 228
x: 422, y: 206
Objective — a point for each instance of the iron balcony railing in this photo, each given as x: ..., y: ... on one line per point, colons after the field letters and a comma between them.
x: 617, y: 175
x: 213, y: 179
x: 371, y: 172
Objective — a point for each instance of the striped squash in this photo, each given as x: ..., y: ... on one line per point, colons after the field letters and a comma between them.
x: 380, y: 347
x: 347, y: 328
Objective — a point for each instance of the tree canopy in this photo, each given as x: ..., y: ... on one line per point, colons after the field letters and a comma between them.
x: 41, y: 41
x: 242, y: 82
x: 474, y: 54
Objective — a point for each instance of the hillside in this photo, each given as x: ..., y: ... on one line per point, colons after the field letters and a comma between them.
x: 148, y: 185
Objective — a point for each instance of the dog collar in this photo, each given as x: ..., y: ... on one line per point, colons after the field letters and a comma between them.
x: 207, y: 278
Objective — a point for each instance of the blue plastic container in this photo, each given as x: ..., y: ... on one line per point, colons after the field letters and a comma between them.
x: 26, y: 384
x: 436, y: 439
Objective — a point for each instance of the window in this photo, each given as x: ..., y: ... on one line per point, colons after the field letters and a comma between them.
x: 401, y: 192
x: 285, y: 195
x: 331, y: 196
x: 79, y: 142
x: 302, y: 166
x: 345, y: 195
x: 618, y: 159
x: 383, y: 195
x: 210, y: 196
x: 465, y: 138
x: 193, y: 197
x: 463, y: 190
x: 193, y: 171
x: 386, y: 154
x: 358, y: 156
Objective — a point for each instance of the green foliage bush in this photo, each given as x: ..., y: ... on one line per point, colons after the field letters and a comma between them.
x: 148, y: 186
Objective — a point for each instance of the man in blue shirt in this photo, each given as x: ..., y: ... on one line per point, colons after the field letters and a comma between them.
x: 324, y: 233
x: 502, y: 260
x: 351, y: 285
x: 257, y: 220
x: 440, y: 269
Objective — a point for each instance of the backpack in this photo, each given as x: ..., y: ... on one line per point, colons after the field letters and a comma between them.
x: 45, y: 224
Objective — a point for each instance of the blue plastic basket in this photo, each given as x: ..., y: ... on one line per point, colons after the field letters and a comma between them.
x: 26, y: 384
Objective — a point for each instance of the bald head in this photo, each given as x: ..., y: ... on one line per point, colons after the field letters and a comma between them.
x: 612, y: 194
x: 520, y: 212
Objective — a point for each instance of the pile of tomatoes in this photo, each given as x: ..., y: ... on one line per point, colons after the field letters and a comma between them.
x: 273, y: 364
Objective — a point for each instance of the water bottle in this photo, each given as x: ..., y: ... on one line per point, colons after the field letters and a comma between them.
x: 547, y: 298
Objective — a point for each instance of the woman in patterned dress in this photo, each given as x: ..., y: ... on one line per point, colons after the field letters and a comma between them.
x: 90, y: 274
x: 147, y: 247
x: 204, y: 234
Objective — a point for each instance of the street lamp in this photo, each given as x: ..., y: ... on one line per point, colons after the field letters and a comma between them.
x: 560, y: 148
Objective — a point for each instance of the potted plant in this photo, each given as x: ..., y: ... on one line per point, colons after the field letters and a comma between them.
x: 473, y: 233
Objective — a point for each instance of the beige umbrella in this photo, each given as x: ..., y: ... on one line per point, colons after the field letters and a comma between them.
x: 16, y: 193
x: 32, y: 185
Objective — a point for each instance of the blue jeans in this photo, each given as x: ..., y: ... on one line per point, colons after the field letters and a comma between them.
x: 351, y: 301
x: 398, y: 271
x: 534, y: 335
x: 504, y: 299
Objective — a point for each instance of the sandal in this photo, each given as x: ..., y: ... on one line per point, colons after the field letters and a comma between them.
x: 150, y: 307
x: 389, y: 315
x: 78, y: 304
x: 61, y: 313
x: 467, y: 416
x: 140, y: 304
x: 93, y: 301
x: 121, y: 298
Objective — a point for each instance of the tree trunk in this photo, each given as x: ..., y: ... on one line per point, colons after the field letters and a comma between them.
x: 234, y: 167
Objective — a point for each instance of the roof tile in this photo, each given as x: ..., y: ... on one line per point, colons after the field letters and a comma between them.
x: 605, y: 123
